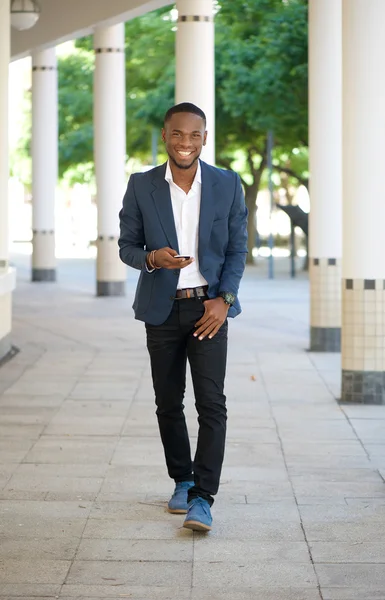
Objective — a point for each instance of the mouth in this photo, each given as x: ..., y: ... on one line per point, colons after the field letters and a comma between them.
x: 184, y: 154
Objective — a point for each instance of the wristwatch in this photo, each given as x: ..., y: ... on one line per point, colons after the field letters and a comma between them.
x: 228, y: 298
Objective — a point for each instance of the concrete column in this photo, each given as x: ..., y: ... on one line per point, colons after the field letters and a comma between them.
x: 195, y: 65
x: 325, y: 140
x: 363, y: 269
x: 44, y: 163
x: 110, y: 154
x: 7, y: 275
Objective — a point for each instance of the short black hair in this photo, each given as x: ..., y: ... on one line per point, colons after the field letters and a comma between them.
x: 185, y: 107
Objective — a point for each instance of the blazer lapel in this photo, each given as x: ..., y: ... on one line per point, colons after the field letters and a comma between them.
x: 162, y: 200
x: 207, y: 210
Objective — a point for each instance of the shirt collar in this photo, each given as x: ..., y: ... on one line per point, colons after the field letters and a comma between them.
x: 197, y: 179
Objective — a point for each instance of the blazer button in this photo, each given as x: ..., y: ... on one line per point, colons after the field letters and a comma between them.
x: 176, y: 272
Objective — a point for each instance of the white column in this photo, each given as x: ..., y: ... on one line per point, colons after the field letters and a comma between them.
x: 44, y: 163
x: 325, y: 142
x: 7, y: 275
x: 195, y: 66
x: 363, y: 269
x: 110, y: 154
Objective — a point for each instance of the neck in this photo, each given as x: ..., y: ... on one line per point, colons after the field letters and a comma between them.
x: 183, y: 176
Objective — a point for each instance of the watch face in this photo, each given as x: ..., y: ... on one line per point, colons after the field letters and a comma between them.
x: 228, y: 297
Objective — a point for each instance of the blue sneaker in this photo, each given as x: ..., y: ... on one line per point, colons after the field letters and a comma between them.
x: 178, y: 502
x: 198, y: 515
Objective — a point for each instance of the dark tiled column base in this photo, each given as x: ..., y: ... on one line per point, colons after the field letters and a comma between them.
x: 325, y: 339
x: 111, y: 288
x: 43, y: 274
x: 5, y: 347
x: 363, y: 387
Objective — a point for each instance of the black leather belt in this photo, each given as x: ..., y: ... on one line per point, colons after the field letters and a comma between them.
x: 198, y: 292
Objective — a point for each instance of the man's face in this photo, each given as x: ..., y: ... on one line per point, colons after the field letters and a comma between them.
x: 184, y: 135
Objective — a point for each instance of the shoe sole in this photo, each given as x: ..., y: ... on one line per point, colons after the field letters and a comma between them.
x: 196, y: 526
x: 177, y: 511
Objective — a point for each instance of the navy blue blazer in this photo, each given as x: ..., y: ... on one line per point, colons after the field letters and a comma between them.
x: 147, y: 223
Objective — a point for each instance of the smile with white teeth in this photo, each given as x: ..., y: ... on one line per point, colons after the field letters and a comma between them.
x: 184, y: 154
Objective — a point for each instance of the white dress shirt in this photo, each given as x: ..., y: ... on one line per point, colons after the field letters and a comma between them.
x: 186, y: 209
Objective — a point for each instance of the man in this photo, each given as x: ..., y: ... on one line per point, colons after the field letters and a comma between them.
x: 184, y: 226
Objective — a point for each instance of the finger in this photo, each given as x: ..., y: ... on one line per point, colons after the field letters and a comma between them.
x: 186, y: 263
x: 213, y: 333
x: 203, y: 319
x: 207, y: 331
x: 170, y: 251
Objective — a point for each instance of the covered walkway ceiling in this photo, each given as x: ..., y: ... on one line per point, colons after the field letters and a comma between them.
x: 65, y: 20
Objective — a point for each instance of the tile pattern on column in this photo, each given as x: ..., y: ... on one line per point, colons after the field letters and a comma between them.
x: 43, y: 257
x: 363, y: 342
x: 325, y: 331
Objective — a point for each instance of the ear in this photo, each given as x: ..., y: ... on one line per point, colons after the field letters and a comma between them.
x: 163, y: 134
x: 205, y: 138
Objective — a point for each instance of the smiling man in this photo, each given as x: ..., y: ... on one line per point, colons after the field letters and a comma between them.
x: 184, y: 226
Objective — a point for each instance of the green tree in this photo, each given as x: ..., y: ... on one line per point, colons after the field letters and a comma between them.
x: 261, y: 86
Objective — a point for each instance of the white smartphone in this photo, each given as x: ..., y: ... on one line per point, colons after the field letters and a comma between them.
x: 182, y: 256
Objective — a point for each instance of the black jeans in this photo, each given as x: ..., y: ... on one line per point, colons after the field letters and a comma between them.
x: 170, y: 345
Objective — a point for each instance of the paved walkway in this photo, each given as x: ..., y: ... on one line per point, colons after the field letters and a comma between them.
x: 301, y: 509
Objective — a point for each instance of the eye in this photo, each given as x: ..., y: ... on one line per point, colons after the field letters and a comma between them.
x: 176, y: 134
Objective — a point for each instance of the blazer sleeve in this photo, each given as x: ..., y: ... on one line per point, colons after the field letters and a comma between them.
x: 236, y: 252
x: 132, y: 241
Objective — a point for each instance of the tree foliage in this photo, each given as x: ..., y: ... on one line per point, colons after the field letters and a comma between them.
x: 261, y: 85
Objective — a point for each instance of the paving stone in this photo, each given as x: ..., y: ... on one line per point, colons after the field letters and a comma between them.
x: 130, y: 573
x: 211, y: 549
x: 365, y: 577
x: 254, y: 593
x: 285, y: 510
x: 40, y: 387
x: 69, y: 487
x: 340, y: 489
x: 83, y: 451
x: 257, y: 474
x: 21, y: 400
x: 34, y: 571
x: 36, y: 591
x: 42, y: 519
x: 139, y: 451
x: 168, y: 529
x: 136, y: 550
x: 346, y: 532
x: 140, y: 510
x: 36, y: 549
x: 341, y: 513
x: 317, y: 474
x: 68, y: 425
x: 317, y: 449
x: 14, y: 450
x: 133, y: 592
x: 352, y: 594
x: 353, y: 552
x: 254, y: 575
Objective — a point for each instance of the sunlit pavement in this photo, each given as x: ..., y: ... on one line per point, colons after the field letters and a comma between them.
x: 300, y: 514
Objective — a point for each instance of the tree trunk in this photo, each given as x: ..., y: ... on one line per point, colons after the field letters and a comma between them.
x: 251, y: 192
